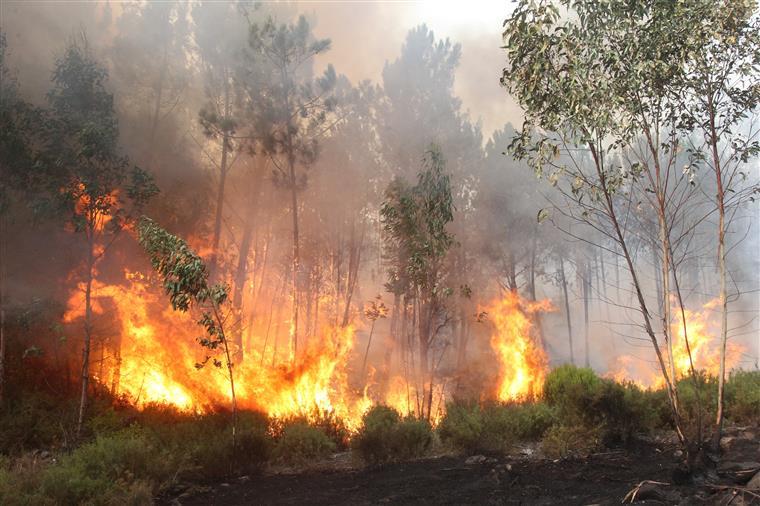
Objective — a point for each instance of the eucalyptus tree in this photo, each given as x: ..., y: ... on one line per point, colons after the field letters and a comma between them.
x: 415, y: 222
x: 292, y: 111
x: 185, y: 281
x: 589, y: 82
x: 85, y: 175
x: 720, y: 103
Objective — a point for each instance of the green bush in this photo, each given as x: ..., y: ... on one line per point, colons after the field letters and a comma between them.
x: 112, y: 468
x: 34, y: 421
x: 472, y: 428
x: 743, y: 397
x: 462, y: 426
x: 333, y: 427
x: 299, y: 442
x: 386, y: 437
x: 205, y: 443
x: 563, y: 441
x: 570, y: 391
x: 20, y: 482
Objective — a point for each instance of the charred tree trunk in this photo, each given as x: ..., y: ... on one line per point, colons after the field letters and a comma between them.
x: 353, y: 272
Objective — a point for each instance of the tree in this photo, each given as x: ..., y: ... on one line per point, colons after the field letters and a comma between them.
x: 15, y: 158
x: 415, y: 221
x: 292, y: 111
x: 83, y: 172
x: 573, y: 79
x: 722, y: 84
x: 185, y: 280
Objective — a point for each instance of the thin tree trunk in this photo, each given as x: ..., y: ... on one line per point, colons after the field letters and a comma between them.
x: 366, y: 352
x: 241, y: 273
x: 666, y: 317
x: 353, y: 272
x: 563, y: 281
x: 85, y: 376
x: 295, y: 266
x: 585, y: 279
x: 222, y: 181
x: 722, y: 273
x: 610, y: 208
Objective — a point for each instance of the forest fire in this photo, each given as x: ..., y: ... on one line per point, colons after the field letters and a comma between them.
x: 152, y: 357
x: 703, y: 334
x: 522, y: 359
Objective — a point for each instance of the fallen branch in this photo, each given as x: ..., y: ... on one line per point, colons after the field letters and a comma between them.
x: 631, y: 496
x: 735, y: 488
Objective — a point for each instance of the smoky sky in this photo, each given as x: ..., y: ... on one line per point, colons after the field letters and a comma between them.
x: 365, y: 35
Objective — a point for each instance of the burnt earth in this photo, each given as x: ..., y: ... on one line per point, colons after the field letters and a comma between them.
x: 602, y: 479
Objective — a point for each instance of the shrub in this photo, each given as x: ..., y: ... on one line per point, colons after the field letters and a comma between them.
x: 33, y: 421
x: 333, y: 427
x: 462, y: 426
x: 205, y: 444
x: 473, y: 428
x: 743, y: 396
x: 620, y: 410
x: 531, y: 420
x: 299, y: 442
x: 20, y: 481
x: 562, y: 441
x: 570, y: 391
x: 118, y: 466
x: 386, y: 437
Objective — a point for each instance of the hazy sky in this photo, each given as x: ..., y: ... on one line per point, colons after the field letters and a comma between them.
x: 367, y: 34
x: 364, y: 36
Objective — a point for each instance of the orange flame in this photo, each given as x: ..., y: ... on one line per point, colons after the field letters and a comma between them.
x: 522, y: 359
x: 152, y: 357
x: 703, y: 332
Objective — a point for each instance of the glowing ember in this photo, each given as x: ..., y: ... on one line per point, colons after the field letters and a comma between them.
x: 522, y: 360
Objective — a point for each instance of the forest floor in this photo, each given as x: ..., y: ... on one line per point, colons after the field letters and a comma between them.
x: 523, y: 478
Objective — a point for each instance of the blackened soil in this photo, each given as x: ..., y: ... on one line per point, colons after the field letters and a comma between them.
x: 602, y: 479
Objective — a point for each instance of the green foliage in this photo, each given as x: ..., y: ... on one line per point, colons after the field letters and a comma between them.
x: 471, y: 427
x: 117, y: 466
x: 185, y: 280
x: 562, y: 441
x: 386, y: 437
x: 743, y: 397
x: 34, y: 421
x: 81, y: 166
x: 289, y: 111
x: 570, y: 390
x: 462, y: 426
x: 299, y: 442
x: 415, y: 221
x: 617, y: 411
